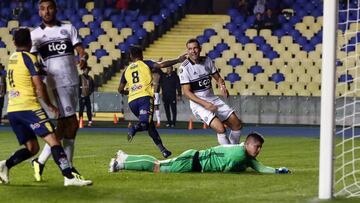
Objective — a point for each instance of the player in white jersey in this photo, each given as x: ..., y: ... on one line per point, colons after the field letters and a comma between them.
x: 54, y: 42
x: 195, y: 78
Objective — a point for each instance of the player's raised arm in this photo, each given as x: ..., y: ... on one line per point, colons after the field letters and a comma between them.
x: 171, y: 62
x: 83, y: 56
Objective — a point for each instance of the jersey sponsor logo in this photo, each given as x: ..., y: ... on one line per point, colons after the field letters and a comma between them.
x: 68, y: 109
x: 56, y: 48
x: 143, y: 112
x: 34, y: 126
x: 201, y: 84
x: 136, y: 87
x: 63, y: 32
x: 13, y: 94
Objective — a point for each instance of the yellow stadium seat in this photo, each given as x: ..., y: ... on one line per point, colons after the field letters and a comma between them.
x: 278, y: 62
x: 90, y: 6
x: 93, y: 46
x: 125, y: 32
x: 308, y: 34
x: 223, y: 33
x: 286, y: 55
x: 264, y: 62
x: 313, y: 71
x: 316, y: 78
x: 220, y: 62
x: 293, y: 63
x: 307, y: 63
x: 84, y: 31
x: 269, y: 85
x: 236, y: 47
x: 318, y: 47
x: 13, y: 24
x: 249, y: 62
x: 301, y: 55
x: 115, y: 53
x: 106, y: 61
x: 305, y: 78
x: 279, y: 48
x: 316, y: 27
x: 303, y: 93
x: 109, y: 47
x: 319, y: 19
x: 230, y: 40
x: 286, y: 41
x: 233, y: 92
x: 314, y: 55
x: 240, y: 86
x: 214, y: 40
x: 301, y: 27
x: 247, y: 78
x: 251, y: 33
x: 241, y: 70
x: 112, y: 32
x: 243, y: 55
x: 149, y: 26
x: 308, y: 20
x: 117, y: 39
x: 298, y: 86
x: 294, y: 48
x: 273, y: 40
x: 262, y: 77
x: 275, y: 92
x: 269, y: 69
x: 300, y: 70
x: 106, y: 25
x: 103, y: 39
x: 87, y: 18
x: 225, y: 70
x: 206, y: 47
x: 250, y: 47
x: 291, y: 78
x: 266, y: 33
x: 228, y: 54
x: 218, y: 26
x: 285, y: 70
x: 313, y: 87
x: 252, y: 88
x: 284, y: 86
x: 257, y: 55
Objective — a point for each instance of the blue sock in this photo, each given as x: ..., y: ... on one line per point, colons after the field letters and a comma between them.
x: 19, y: 156
x: 61, y: 160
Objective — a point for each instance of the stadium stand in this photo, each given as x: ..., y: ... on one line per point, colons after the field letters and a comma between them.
x: 286, y: 59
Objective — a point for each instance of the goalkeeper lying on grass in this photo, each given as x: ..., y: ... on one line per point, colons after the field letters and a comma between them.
x: 223, y: 158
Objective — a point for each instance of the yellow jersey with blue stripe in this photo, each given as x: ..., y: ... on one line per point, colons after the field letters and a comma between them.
x: 21, y: 90
x: 138, y: 77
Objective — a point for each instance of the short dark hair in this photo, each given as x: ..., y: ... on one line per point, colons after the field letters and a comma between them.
x: 193, y: 40
x: 136, y: 52
x: 256, y: 136
x: 22, y: 37
x: 52, y: 1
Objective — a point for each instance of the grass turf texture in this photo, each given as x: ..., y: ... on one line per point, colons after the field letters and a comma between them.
x: 94, y: 150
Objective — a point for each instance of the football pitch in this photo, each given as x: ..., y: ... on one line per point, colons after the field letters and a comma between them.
x: 94, y: 150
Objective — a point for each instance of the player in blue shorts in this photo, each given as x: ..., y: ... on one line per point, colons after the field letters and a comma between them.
x: 27, y: 118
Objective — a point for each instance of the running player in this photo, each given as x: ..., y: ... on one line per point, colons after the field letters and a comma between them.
x: 55, y: 42
x: 195, y: 78
x: 25, y: 114
x: 141, y: 94
x: 223, y: 158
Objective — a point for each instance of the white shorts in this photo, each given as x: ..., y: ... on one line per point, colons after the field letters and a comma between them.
x: 66, y: 100
x: 157, y: 99
x: 223, y: 111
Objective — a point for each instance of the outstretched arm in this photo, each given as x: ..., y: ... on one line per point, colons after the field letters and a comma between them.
x: 259, y: 167
x: 83, y: 56
x: 168, y: 63
x: 221, y: 83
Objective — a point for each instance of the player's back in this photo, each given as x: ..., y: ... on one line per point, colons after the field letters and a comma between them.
x: 139, y: 79
x: 224, y: 158
x: 21, y: 89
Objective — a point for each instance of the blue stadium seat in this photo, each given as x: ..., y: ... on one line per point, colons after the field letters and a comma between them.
x: 220, y: 47
x: 108, y: 12
x: 279, y: 33
x: 97, y: 32
x: 119, y: 25
x: 88, y: 39
x: 282, y: 19
x: 135, y: 26
x: 308, y: 47
x: 235, y: 62
x: 317, y: 40
x: 243, y: 39
x: 286, y: 27
x: 250, y: 20
x: 209, y: 32
x: 79, y: 25
x: 238, y: 20
x: 68, y: 13
x: 295, y: 33
x: 202, y: 39
x: 346, y: 78
x: 302, y: 41
x: 180, y: 2
x: 24, y: 23
x: 339, y: 63
x: 173, y: 7
x: 158, y: 20
x: 272, y: 55
x: 35, y: 20
x: 293, y: 20
x: 165, y: 13
x: 256, y: 70
x: 142, y: 18
x: 213, y: 54
x: 233, y: 77
x: 232, y: 12
x: 265, y: 48
x: 124, y: 47
x: 100, y: 53
x: 2, y: 44
x: 132, y: 40
x: 277, y: 77
x: 97, y: 12
x: 2, y: 24
x: 231, y: 27
x: 141, y: 33
x: 259, y: 40
x: 82, y: 11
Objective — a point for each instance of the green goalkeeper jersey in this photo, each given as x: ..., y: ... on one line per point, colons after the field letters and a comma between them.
x: 230, y: 158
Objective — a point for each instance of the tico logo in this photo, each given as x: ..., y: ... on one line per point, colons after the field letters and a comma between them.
x: 58, y: 47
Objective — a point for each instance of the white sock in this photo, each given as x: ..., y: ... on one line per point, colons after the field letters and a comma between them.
x: 45, y: 154
x: 234, y: 136
x: 69, y: 149
x: 157, y: 114
x: 222, y: 139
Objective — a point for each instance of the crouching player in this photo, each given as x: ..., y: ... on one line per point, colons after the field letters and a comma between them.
x: 223, y: 158
x: 27, y: 118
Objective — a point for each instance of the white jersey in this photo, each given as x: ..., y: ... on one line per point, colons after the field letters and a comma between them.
x: 55, y: 45
x: 198, y: 76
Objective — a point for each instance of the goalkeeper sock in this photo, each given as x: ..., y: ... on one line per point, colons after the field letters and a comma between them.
x: 69, y: 149
x: 222, y: 139
x: 45, y: 154
x: 19, y: 156
x: 140, y: 163
x: 157, y: 113
x: 234, y: 136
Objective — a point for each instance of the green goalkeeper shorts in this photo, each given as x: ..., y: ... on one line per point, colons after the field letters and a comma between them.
x: 179, y: 164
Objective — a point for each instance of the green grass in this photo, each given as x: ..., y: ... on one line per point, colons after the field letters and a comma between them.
x: 94, y: 150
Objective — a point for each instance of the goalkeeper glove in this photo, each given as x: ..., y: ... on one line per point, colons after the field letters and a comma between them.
x: 282, y: 170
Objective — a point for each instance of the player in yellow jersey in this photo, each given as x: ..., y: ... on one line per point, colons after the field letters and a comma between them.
x: 138, y: 77
x: 27, y: 118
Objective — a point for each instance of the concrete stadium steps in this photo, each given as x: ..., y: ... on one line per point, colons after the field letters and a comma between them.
x: 172, y: 44
x: 111, y: 85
